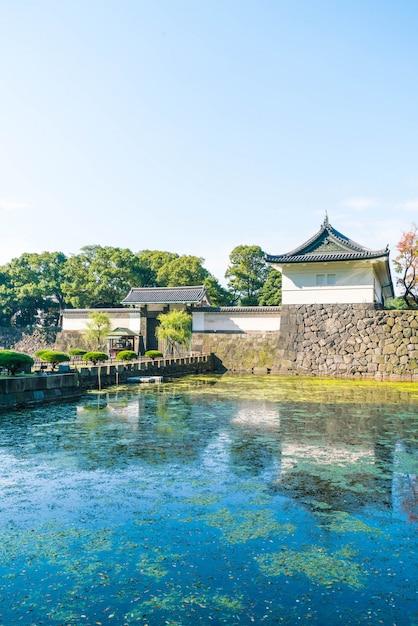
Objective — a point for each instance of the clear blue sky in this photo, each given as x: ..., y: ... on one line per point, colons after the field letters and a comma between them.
x: 196, y: 126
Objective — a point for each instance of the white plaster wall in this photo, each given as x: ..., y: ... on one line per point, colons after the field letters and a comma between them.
x: 354, y: 283
x: 235, y: 322
x: 129, y: 320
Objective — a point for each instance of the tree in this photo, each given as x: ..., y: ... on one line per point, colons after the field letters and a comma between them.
x: 53, y: 357
x: 101, y: 276
x: 15, y: 361
x: 217, y: 294
x: 406, y: 264
x: 7, y: 299
x: 184, y: 270
x: 153, y: 354
x: 126, y: 355
x: 95, y: 357
x: 271, y: 291
x: 175, y: 329
x: 150, y: 262
x: 98, y: 329
x: 247, y: 274
x: 35, y: 280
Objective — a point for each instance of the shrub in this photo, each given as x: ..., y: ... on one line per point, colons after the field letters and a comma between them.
x: 77, y: 352
x: 95, y: 357
x: 153, y: 354
x: 39, y: 353
x: 126, y: 355
x: 54, y: 357
x: 14, y: 361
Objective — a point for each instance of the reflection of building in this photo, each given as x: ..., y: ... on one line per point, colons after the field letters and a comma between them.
x: 331, y: 268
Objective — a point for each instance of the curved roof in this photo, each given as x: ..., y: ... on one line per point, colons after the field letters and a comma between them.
x: 195, y: 294
x: 328, y: 245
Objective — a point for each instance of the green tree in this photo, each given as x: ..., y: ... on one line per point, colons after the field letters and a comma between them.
x: 184, y: 270
x: 95, y: 357
x: 217, y: 294
x: 150, y: 262
x: 188, y: 270
x: 54, y: 357
x: 126, y: 355
x: 175, y: 329
x: 15, y: 361
x: 247, y: 274
x: 101, y: 276
x: 7, y: 299
x: 97, y: 329
x: 34, y: 284
x: 271, y: 291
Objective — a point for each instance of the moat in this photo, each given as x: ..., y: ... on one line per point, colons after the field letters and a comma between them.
x: 213, y: 500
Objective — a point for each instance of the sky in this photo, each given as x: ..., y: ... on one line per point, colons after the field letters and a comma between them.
x: 195, y: 126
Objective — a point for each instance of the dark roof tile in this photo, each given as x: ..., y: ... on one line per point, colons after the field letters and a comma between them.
x: 167, y: 295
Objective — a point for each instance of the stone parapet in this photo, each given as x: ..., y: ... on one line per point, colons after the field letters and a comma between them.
x: 338, y: 340
x: 21, y: 391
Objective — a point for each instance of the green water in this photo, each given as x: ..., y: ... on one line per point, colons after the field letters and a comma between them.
x: 213, y: 500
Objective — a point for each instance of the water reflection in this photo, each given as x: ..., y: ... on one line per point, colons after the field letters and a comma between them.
x: 212, y: 500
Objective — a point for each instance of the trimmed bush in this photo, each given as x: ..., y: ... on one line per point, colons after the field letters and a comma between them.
x: 53, y: 357
x: 154, y: 354
x: 126, y: 355
x: 95, y: 357
x: 15, y: 361
x: 39, y: 353
x: 77, y: 352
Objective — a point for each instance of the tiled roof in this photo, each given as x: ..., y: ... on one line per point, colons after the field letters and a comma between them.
x: 111, y: 311
x: 167, y: 295
x: 238, y: 309
x: 122, y: 332
x: 328, y: 245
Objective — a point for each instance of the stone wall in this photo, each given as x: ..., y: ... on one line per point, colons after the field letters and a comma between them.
x: 20, y: 391
x: 350, y: 341
x: 253, y: 352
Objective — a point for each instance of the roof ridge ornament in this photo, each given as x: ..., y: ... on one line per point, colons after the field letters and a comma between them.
x: 326, y: 220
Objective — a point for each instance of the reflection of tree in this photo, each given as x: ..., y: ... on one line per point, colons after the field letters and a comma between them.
x: 154, y: 426
x: 256, y: 438
x: 405, y: 481
x: 110, y: 430
x: 332, y: 455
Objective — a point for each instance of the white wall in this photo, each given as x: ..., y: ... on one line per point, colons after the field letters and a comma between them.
x: 343, y: 283
x: 236, y: 321
x: 77, y: 320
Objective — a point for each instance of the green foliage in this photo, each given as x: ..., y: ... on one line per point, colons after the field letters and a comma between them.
x: 53, y: 357
x: 126, y: 355
x: 77, y: 352
x: 247, y: 274
x: 175, y: 329
x: 184, y: 270
x: 101, y: 276
x: 98, y: 328
x: 34, y: 284
x: 39, y: 353
x: 95, y: 357
x: 271, y: 291
x: 14, y: 361
x: 217, y: 294
x: 397, y: 303
x: 153, y: 354
x: 151, y: 261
